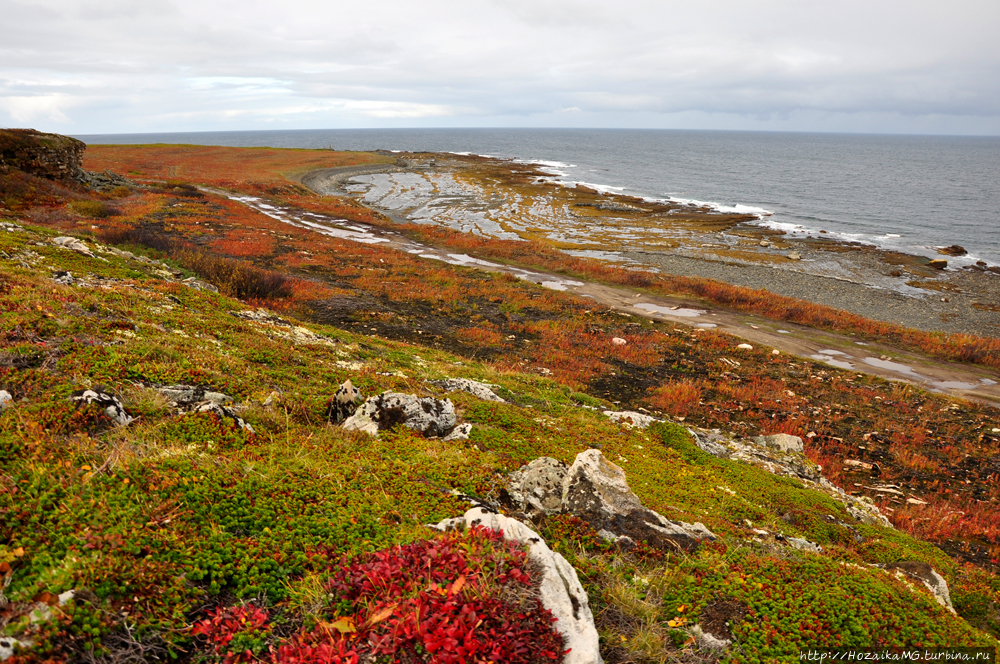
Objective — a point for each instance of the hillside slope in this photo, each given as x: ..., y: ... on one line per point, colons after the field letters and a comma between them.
x: 246, y: 531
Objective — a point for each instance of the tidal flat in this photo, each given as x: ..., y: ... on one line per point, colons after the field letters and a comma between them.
x: 507, y: 199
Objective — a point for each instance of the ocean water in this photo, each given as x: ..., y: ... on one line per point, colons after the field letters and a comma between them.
x: 908, y: 193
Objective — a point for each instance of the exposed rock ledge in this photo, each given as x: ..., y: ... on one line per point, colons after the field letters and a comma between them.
x: 596, y: 490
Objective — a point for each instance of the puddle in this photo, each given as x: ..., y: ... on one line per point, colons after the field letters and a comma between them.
x: 670, y: 311
x: 783, y: 332
x: 893, y: 366
x: 705, y: 325
x: 953, y: 385
x: 828, y: 359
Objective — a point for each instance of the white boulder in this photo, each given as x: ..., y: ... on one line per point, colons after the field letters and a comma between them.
x: 559, y: 587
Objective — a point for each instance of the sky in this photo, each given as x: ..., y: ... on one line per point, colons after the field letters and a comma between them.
x: 126, y: 66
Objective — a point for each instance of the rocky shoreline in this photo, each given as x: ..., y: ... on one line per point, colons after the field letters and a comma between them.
x: 885, y: 286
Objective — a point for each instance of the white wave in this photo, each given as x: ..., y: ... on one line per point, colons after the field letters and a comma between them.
x: 600, y: 188
x: 739, y: 208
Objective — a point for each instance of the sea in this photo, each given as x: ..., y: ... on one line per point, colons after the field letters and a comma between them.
x: 913, y: 194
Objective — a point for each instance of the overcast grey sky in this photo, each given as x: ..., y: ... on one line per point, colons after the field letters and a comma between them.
x: 110, y: 66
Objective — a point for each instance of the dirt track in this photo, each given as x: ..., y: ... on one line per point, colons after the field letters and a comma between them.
x: 841, y: 351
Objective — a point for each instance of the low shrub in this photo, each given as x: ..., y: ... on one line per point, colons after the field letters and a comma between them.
x: 92, y: 209
x: 237, y: 278
x: 142, y: 236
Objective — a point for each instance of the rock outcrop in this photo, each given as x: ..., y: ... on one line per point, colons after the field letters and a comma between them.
x: 223, y: 413
x: 194, y: 399
x: 776, y: 454
x: 112, y: 405
x: 596, y: 490
x: 430, y: 416
x: 631, y: 418
x: 73, y: 244
x: 559, y: 588
x: 475, y: 388
x: 49, y: 156
x: 104, y: 181
x: 181, y: 396
x: 927, y: 575
x: 782, y: 442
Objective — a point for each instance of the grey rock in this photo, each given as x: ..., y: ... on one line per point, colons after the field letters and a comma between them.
x: 222, y: 413
x: 344, y: 403
x: 63, y: 277
x: 262, y: 316
x: 429, y: 416
x: 559, y: 587
x: 8, y: 644
x: 198, y: 284
x: 187, y: 395
x: 475, y: 388
x: 712, y: 442
x: 781, y: 442
x: 461, y: 432
x: 105, y: 181
x: 631, y: 418
x: 5, y: 400
x: 596, y: 490
x: 73, y: 244
x: 709, y: 641
x: 113, y: 406
x: 927, y: 575
x: 538, y: 486
x: 804, y: 545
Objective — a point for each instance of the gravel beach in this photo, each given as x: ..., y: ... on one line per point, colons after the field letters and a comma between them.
x: 920, y: 308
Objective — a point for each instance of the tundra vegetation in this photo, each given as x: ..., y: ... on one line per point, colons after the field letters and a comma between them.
x: 184, y: 535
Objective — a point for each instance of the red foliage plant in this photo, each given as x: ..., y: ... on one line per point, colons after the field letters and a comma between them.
x: 226, y: 624
x: 462, y: 598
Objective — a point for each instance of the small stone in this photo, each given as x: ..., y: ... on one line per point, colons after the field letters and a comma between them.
x: 745, y: 347
x: 782, y: 442
x: 630, y: 418
x: 73, y: 244
x: 5, y: 400
x: 938, y: 263
x: 8, y: 644
x: 461, y: 432
x: 63, y: 277
x: 344, y: 403
x: 804, y: 545
x: 618, y: 341
x: 475, y: 388
x: 775, y: 352
x: 113, y: 407
x: 794, y: 256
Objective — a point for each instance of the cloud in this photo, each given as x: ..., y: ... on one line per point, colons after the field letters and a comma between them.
x: 131, y: 65
x: 28, y: 109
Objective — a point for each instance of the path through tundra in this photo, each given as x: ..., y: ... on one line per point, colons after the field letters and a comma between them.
x: 837, y: 350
